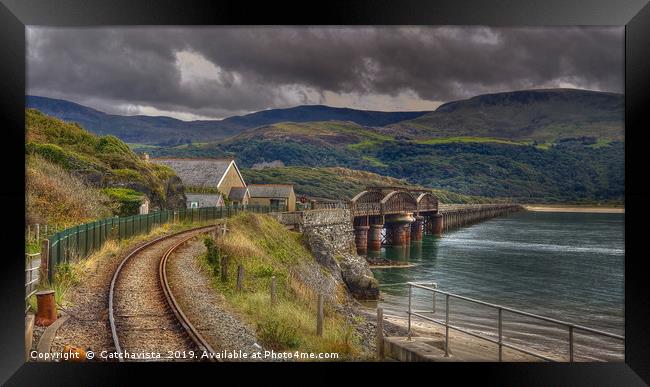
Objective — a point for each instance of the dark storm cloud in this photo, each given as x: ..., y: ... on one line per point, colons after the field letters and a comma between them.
x: 221, y: 71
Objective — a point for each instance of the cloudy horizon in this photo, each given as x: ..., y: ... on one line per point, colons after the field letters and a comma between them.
x: 216, y: 72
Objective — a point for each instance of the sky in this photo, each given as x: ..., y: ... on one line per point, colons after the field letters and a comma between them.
x: 216, y: 72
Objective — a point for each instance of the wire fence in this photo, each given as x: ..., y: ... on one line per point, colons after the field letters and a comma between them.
x: 80, y: 241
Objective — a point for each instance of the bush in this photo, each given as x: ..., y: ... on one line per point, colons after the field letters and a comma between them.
x: 128, y: 200
x: 278, y: 334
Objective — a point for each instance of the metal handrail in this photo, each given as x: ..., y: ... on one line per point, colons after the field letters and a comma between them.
x: 500, y: 308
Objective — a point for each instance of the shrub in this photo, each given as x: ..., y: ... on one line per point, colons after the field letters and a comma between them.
x: 278, y: 334
x: 128, y: 200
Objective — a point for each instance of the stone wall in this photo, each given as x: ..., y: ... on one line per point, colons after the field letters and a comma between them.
x: 330, y: 237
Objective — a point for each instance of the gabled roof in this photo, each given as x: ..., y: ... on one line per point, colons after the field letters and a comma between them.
x: 200, y: 173
x: 238, y: 193
x: 204, y: 200
x: 270, y: 190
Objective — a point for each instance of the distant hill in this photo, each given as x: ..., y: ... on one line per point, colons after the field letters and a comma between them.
x: 170, y: 131
x: 539, y: 115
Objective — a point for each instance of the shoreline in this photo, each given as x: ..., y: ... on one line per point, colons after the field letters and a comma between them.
x: 573, y: 208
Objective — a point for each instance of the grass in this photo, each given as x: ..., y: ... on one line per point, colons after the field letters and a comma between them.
x: 600, y: 142
x: 54, y: 195
x: 265, y: 249
x: 90, y: 162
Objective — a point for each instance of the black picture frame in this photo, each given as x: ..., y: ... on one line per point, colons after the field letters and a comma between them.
x: 634, y: 14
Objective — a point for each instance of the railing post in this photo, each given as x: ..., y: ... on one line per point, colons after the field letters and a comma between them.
x: 447, y: 325
x: 500, y: 335
x: 409, y: 313
x: 380, y: 334
x: 570, y: 343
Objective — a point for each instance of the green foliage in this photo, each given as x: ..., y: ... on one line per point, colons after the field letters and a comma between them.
x: 68, y: 159
x: 129, y: 200
x: 212, y: 254
x: 567, y: 171
x: 113, y: 145
x: 337, y: 183
x: 265, y: 249
x: 103, y: 162
x: 66, y: 275
x: 278, y: 334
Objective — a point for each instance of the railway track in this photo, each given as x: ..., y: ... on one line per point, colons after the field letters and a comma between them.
x: 147, y: 323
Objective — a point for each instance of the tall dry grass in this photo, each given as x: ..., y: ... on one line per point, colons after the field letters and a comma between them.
x: 54, y: 196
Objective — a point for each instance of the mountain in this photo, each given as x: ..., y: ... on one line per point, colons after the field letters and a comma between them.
x: 168, y: 131
x: 538, y: 115
x: 308, y: 113
x: 536, y: 145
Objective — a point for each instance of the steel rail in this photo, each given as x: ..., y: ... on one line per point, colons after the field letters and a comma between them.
x: 194, y: 334
x: 111, y: 292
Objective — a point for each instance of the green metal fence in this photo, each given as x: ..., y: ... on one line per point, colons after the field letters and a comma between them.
x: 80, y: 241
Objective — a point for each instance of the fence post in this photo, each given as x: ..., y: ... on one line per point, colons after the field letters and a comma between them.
x: 224, y: 268
x: 273, y: 291
x: 38, y: 232
x: 46, y: 230
x: 571, y: 343
x: 45, y: 255
x: 380, y: 334
x: 29, y: 233
x: 409, y: 321
x: 320, y: 316
x: 447, y: 325
x: 240, y: 277
x: 500, y: 335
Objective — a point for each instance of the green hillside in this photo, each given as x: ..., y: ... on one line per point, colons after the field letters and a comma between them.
x: 535, y: 115
x: 58, y: 149
x: 337, y: 183
x: 570, y: 170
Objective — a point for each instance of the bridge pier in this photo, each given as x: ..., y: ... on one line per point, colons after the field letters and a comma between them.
x: 437, y: 224
x: 398, y: 229
x: 361, y: 234
x: 374, y: 234
x: 416, y: 229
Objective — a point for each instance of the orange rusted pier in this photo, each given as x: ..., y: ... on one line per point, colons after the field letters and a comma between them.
x: 407, y: 214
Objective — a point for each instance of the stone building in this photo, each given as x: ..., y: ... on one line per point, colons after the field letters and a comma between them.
x: 280, y: 195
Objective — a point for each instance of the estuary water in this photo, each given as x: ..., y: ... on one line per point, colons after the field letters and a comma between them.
x: 566, y: 266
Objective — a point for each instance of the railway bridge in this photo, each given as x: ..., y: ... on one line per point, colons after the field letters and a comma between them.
x: 406, y: 215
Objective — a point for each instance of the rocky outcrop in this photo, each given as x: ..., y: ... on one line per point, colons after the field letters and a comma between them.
x: 175, y: 193
x: 329, y: 235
